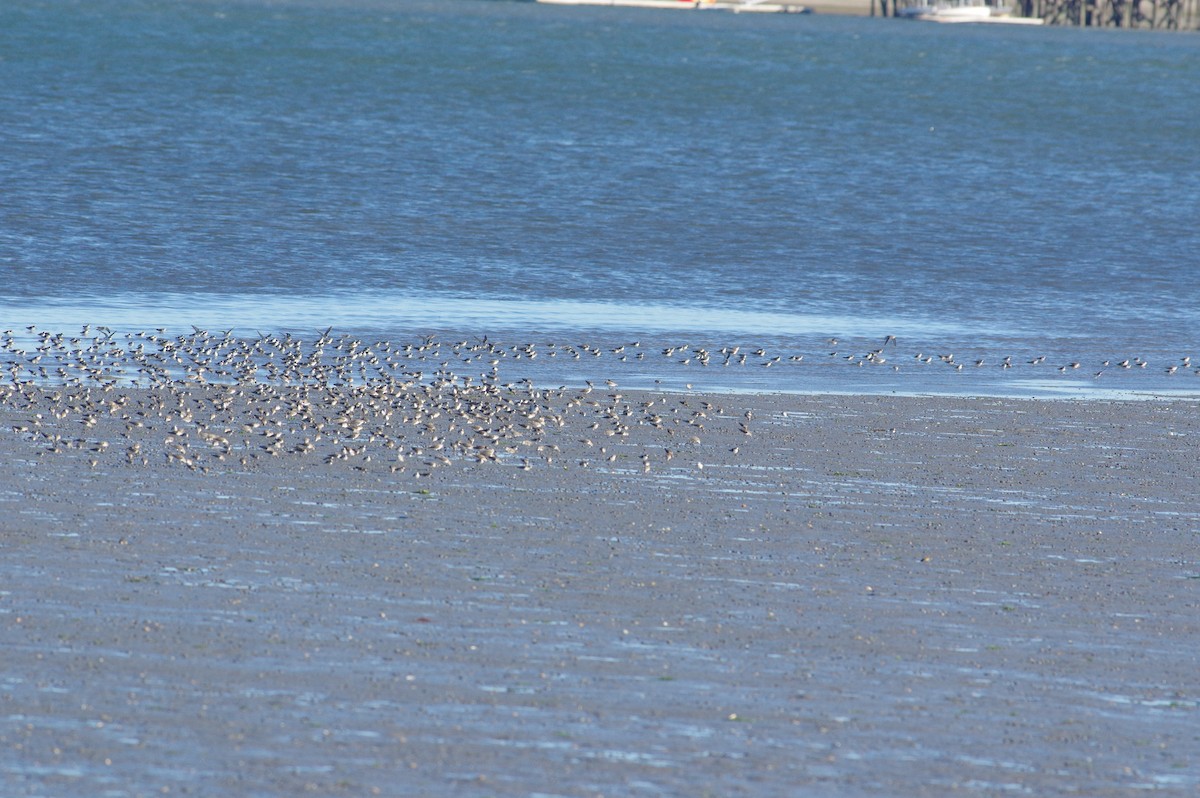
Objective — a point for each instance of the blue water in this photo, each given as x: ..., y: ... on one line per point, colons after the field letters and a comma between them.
x: 532, y: 172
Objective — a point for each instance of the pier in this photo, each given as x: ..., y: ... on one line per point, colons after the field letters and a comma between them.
x: 1156, y: 14
x: 1144, y: 14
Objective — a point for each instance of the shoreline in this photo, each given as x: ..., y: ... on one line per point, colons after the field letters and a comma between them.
x: 914, y: 595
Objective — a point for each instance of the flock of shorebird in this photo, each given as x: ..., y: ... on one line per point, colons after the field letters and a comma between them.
x: 202, y: 398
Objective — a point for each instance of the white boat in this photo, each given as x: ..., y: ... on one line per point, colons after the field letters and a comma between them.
x: 736, y: 6
x: 972, y: 12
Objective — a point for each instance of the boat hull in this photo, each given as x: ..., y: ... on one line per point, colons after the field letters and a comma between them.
x: 691, y: 5
x: 964, y: 14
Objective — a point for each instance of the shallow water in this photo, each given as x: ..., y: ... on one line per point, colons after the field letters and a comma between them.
x: 508, y: 168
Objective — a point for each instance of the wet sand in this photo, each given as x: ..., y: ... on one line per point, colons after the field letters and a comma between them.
x: 870, y: 596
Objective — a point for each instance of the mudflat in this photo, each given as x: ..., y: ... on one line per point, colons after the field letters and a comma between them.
x: 605, y: 593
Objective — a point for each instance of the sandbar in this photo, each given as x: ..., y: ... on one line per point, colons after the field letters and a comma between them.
x: 631, y: 593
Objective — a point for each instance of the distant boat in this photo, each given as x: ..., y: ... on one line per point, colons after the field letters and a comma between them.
x: 974, y: 12
x: 736, y: 6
